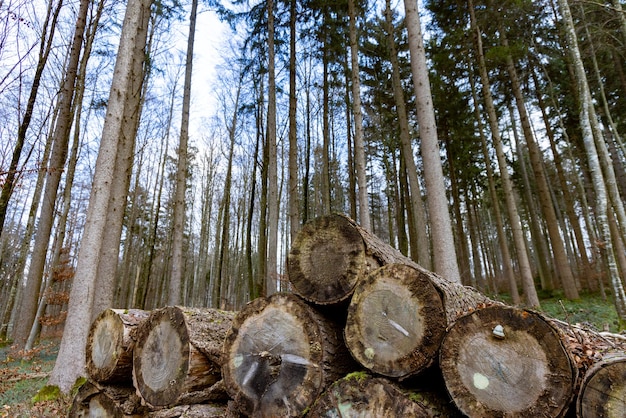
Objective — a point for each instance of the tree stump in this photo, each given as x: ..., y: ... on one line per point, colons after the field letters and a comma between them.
x: 110, y: 345
x: 396, y: 321
x: 603, y: 388
x: 501, y: 361
x: 281, y: 354
x: 94, y: 400
x: 177, y: 356
x: 361, y: 395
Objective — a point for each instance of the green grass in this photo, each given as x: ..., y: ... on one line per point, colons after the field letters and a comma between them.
x: 590, y: 310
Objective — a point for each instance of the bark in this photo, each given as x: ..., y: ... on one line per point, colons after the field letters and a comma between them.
x: 280, y: 355
x: 415, y: 193
x: 70, y: 362
x: 110, y: 345
x: 444, y: 253
x: 211, y: 410
x: 603, y: 387
x: 359, y: 146
x: 525, y: 371
x: 178, y: 260
x: 361, y: 395
x: 178, y: 355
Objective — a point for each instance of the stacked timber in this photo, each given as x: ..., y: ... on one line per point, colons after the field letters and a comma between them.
x: 366, y: 332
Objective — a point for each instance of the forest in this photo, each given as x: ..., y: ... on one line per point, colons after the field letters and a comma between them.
x: 481, y: 139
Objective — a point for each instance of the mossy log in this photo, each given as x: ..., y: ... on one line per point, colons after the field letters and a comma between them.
x: 505, y: 361
x: 177, y: 357
x: 110, y: 344
x: 95, y: 400
x: 362, y: 395
x: 281, y: 355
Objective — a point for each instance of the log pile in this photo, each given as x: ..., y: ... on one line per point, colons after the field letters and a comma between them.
x: 366, y: 332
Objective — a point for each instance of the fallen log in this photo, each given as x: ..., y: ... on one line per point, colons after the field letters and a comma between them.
x: 603, y: 388
x: 177, y: 357
x: 110, y: 344
x: 505, y: 361
x: 362, y: 395
x: 281, y: 354
x: 94, y: 400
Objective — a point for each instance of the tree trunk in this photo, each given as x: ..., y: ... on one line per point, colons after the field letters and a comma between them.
x: 94, y: 400
x: 281, y: 355
x: 444, y: 253
x: 602, y: 389
x: 178, y: 355
x: 110, y: 345
x: 70, y: 362
x: 294, y: 199
x: 503, y: 361
x: 361, y: 395
x: 359, y: 147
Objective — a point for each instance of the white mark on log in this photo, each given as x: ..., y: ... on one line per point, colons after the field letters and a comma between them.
x: 295, y: 359
x: 397, y: 326
x: 480, y: 381
x: 369, y: 353
x: 250, y: 373
x: 237, y: 360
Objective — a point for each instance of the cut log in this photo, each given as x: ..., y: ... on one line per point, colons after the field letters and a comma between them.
x: 110, y: 345
x: 94, y: 400
x: 361, y: 395
x: 396, y: 321
x: 332, y: 253
x: 177, y: 356
x: 192, y: 411
x: 281, y: 355
x: 504, y: 361
x: 603, y: 389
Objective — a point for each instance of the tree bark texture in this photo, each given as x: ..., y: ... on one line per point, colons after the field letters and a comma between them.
x: 177, y: 356
x: 281, y: 354
x: 110, y: 345
x: 503, y: 361
x: 361, y: 395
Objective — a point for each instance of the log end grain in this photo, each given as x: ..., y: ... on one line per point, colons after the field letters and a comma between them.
x: 603, y: 390
x: 281, y: 355
x: 326, y: 259
x: 396, y: 321
x: 505, y: 361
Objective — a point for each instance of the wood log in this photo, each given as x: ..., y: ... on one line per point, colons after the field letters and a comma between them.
x: 177, y: 356
x: 281, y: 354
x: 603, y: 388
x: 95, y: 400
x: 110, y: 345
x: 396, y: 321
x: 332, y: 253
x: 211, y: 410
x: 362, y: 395
x: 505, y: 361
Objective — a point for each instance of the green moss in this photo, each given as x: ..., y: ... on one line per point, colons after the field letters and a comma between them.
x: 77, y: 385
x: 47, y: 393
x: 358, y: 376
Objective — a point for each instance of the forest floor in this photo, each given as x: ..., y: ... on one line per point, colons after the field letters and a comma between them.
x: 23, y: 375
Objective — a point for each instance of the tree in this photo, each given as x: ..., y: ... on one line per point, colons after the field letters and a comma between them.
x: 444, y: 253
x: 178, y: 264
x: 70, y: 363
